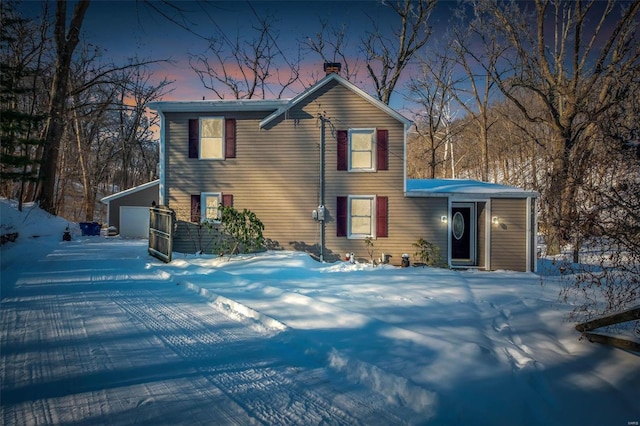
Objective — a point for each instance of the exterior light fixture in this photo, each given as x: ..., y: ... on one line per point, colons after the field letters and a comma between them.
x: 495, y: 220
x: 443, y: 219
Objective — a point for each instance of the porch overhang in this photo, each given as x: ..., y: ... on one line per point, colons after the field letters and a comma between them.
x: 463, y: 189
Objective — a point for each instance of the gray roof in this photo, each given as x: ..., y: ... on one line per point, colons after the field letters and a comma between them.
x: 218, y: 105
x: 107, y: 199
x: 277, y: 107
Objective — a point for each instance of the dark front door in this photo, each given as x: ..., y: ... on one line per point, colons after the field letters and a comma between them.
x: 463, y: 234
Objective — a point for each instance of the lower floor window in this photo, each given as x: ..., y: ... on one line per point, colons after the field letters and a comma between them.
x: 361, y: 216
x: 210, y: 202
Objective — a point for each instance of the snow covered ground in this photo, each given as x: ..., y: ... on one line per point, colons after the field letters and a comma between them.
x: 95, y: 331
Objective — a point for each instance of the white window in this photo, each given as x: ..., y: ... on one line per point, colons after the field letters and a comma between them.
x: 210, y: 206
x: 212, y: 138
x: 362, y: 149
x: 361, y: 215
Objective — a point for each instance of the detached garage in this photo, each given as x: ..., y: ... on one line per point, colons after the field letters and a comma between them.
x: 129, y: 210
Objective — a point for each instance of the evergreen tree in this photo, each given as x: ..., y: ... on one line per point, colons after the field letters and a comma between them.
x: 20, y: 126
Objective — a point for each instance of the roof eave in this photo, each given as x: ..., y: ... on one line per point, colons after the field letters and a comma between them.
x: 108, y: 198
x: 331, y: 77
x: 470, y: 194
x: 217, y: 106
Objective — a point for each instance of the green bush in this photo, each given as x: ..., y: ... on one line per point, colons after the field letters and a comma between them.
x: 241, y: 231
x: 427, y: 253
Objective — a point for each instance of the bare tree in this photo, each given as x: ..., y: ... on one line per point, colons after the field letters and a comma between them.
x: 574, y: 56
x: 386, y: 53
x: 247, y: 67
x: 66, y: 42
x: 332, y: 44
x: 387, y: 57
x: 433, y: 93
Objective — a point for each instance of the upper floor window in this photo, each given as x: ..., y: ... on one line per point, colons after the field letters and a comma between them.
x: 212, y: 138
x: 361, y: 149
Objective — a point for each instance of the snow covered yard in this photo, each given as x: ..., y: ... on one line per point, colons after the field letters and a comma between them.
x: 95, y: 331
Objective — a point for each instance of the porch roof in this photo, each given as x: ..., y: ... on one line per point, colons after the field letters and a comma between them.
x: 464, y: 188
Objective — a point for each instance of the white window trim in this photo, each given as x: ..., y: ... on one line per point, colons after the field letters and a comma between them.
x: 200, y: 150
x: 373, y: 149
x: 353, y: 236
x: 203, y: 206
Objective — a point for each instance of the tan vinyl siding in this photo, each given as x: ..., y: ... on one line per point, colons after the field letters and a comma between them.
x: 508, y: 237
x: 276, y: 174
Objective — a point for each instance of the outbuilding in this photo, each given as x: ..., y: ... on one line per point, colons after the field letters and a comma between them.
x: 128, y: 210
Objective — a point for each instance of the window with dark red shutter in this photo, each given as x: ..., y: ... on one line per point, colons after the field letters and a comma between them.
x: 382, y: 217
x: 227, y: 200
x: 382, y: 153
x: 194, y: 137
x: 195, y: 208
x: 341, y: 216
x: 230, y: 138
x: 343, y: 149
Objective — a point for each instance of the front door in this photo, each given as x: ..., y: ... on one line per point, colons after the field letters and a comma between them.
x: 463, y: 234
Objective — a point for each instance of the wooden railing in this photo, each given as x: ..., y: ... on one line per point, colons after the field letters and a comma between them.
x: 161, y: 226
x: 586, y: 329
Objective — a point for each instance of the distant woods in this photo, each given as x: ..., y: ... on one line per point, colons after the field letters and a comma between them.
x: 74, y: 127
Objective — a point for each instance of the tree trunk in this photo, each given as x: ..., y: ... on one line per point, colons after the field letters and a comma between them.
x: 65, y: 45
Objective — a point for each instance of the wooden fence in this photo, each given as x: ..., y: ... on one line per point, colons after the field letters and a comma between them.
x: 586, y: 329
x: 161, y: 226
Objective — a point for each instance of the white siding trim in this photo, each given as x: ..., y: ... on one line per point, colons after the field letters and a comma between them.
x: 162, y: 198
x: 487, y: 240
x: 529, y: 240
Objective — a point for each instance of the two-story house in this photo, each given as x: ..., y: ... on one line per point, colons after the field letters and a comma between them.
x: 326, y: 170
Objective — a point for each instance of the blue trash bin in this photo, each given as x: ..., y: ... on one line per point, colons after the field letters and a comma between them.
x: 90, y: 228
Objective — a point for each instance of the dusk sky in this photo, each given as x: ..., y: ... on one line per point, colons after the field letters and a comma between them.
x: 129, y: 28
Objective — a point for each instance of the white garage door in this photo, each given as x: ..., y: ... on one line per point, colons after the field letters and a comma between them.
x: 134, y: 222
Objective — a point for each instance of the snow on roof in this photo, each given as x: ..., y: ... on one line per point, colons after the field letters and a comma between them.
x: 105, y: 200
x: 331, y: 77
x: 463, y: 187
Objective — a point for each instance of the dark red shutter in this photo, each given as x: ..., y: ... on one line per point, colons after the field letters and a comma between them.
x: 383, y: 149
x: 194, y: 131
x: 341, y: 216
x: 382, y: 216
x: 343, y: 150
x: 227, y: 200
x: 195, y: 208
x: 230, y: 138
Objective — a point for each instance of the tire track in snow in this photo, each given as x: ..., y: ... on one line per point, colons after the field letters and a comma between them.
x: 257, y: 375
x: 397, y: 391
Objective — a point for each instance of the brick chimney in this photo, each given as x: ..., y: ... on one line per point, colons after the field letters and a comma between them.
x: 332, y: 67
